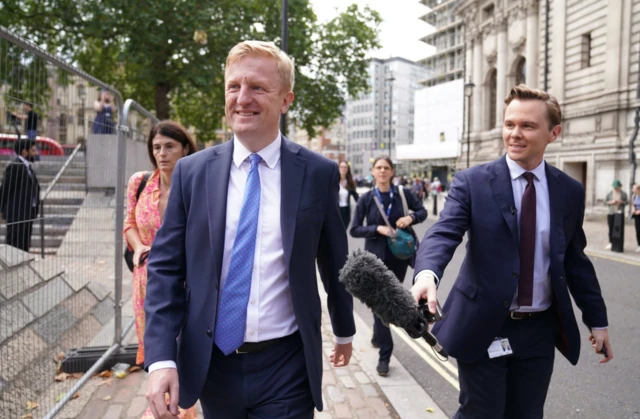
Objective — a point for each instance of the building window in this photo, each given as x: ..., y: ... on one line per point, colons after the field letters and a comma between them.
x: 585, y: 50
x: 488, y: 12
x: 521, y: 71
x: 492, y: 88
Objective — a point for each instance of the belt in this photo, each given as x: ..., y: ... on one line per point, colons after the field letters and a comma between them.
x: 519, y: 315
x: 253, y: 347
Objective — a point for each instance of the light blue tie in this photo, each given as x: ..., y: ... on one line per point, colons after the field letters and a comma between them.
x: 232, y: 311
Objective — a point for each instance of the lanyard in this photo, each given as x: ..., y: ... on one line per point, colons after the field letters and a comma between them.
x: 390, y: 199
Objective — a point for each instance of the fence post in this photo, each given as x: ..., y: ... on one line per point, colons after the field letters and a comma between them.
x: 42, y: 229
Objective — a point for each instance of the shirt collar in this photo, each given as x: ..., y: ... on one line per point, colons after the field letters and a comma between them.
x: 23, y: 160
x: 270, y: 154
x: 515, y: 170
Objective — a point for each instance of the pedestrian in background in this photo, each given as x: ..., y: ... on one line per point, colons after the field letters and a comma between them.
x: 347, y: 191
x: 105, y: 109
x: 616, y: 200
x: 375, y: 233
x: 167, y: 143
x: 635, y: 212
x: 233, y: 310
x: 31, y: 118
x: 524, y: 261
x: 20, y: 195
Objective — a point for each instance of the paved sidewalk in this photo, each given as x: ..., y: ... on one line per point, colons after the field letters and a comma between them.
x: 352, y: 392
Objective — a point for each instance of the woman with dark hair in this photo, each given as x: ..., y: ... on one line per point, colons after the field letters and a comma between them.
x: 376, y: 231
x: 347, y: 190
x: 168, y: 142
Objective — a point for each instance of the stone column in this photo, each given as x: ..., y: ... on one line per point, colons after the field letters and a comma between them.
x: 557, y: 46
x: 477, y: 80
x: 501, y: 68
x: 532, y: 46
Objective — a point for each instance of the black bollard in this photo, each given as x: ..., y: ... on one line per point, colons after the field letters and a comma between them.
x: 617, y: 235
x: 435, y: 204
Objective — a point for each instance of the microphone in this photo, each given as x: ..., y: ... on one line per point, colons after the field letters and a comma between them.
x: 514, y: 210
x: 370, y: 281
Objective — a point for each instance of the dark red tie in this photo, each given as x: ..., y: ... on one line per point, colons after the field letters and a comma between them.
x: 527, y: 241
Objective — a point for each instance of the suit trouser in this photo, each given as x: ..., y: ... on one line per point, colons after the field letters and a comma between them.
x: 381, y: 333
x: 636, y: 219
x: 19, y: 234
x: 271, y: 384
x: 513, y: 386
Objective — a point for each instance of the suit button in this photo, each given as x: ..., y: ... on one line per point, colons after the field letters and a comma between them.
x: 514, y: 275
x: 209, y: 333
x: 507, y: 304
x: 561, y: 278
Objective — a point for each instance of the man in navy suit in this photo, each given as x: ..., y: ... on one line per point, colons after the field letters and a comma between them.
x: 525, y: 254
x: 232, y: 299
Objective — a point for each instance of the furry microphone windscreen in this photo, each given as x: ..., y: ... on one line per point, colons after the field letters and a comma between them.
x: 368, y: 279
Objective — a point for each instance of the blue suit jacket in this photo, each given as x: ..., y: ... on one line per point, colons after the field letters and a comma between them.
x: 480, y: 202
x: 185, y: 261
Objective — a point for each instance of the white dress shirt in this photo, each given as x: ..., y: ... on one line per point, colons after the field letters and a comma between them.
x: 270, y: 312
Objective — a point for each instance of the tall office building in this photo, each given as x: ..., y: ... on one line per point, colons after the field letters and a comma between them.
x: 447, y: 63
x: 380, y: 120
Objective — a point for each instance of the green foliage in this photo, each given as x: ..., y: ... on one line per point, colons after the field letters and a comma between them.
x: 147, y: 50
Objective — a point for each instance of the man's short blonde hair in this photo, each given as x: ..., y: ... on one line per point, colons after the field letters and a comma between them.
x: 284, y: 64
x: 524, y: 92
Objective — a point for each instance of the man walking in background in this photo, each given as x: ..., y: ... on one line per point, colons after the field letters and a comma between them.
x: 20, y: 195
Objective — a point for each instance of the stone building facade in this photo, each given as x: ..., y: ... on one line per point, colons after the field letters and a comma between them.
x: 592, y: 69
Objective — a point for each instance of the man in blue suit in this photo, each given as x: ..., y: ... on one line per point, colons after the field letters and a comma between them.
x: 232, y: 299
x: 510, y: 303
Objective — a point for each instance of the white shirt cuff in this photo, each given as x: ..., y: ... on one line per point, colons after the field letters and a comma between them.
x: 425, y: 272
x: 600, y: 328
x: 343, y: 341
x: 161, y: 364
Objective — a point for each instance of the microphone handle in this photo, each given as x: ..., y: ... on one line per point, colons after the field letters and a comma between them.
x: 433, y: 342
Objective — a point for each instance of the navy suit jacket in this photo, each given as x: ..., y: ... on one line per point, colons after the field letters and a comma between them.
x: 480, y: 202
x: 185, y: 262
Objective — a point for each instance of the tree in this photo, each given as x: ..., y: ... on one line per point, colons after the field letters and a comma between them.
x: 169, y: 55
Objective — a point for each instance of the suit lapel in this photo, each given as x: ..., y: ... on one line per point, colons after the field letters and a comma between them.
x: 292, y: 176
x: 556, y: 207
x: 217, y: 185
x: 503, y: 193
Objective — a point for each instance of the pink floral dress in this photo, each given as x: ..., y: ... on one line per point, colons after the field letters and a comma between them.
x: 144, y: 215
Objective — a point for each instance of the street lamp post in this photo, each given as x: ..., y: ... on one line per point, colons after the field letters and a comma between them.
x: 390, y: 79
x: 468, y: 93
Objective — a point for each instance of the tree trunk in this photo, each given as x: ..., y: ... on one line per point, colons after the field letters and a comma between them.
x: 162, y: 100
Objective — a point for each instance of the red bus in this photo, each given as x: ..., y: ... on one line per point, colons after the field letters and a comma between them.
x: 46, y: 146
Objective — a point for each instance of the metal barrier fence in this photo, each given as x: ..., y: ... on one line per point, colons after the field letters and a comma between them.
x: 61, y: 277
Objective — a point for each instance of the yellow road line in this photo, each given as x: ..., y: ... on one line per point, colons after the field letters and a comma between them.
x: 613, y: 258
x: 436, y: 365
x: 448, y: 365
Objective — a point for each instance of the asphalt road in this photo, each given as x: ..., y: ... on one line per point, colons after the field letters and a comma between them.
x: 588, y: 390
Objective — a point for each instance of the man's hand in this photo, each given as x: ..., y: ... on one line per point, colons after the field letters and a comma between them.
x: 163, y: 381
x: 425, y: 289
x: 598, y: 339
x: 341, y: 354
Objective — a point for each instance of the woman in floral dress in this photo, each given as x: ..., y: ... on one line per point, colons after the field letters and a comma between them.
x: 168, y: 142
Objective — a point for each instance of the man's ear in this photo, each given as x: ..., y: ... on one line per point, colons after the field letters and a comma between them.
x: 555, y: 133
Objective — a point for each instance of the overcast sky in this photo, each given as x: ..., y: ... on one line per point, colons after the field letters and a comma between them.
x: 401, y: 30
